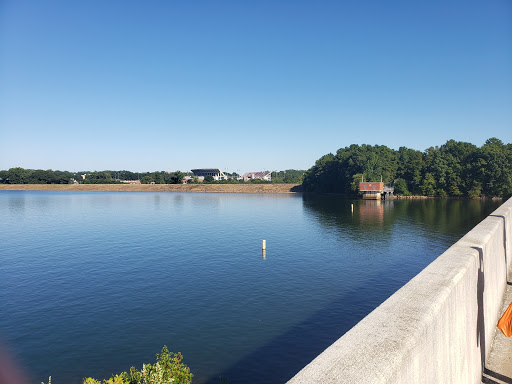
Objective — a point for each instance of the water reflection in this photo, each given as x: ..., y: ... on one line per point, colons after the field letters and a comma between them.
x: 371, y: 220
x: 433, y: 216
x: 371, y: 211
x: 16, y: 202
x: 179, y: 200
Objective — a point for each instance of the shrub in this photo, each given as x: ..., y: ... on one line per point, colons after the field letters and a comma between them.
x: 167, y: 369
x: 90, y: 380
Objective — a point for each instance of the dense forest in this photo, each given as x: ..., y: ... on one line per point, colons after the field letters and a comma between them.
x: 454, y: 169
x: 38, y: 176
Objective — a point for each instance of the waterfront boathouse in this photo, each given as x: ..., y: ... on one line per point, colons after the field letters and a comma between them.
x: 371, y: 191
x: 376, y: 191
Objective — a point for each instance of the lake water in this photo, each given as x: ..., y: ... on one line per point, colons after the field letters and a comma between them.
x: 92, y: 283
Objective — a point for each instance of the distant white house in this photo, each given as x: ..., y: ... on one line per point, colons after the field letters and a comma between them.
x: 265, y: 175
x: 216, y: 173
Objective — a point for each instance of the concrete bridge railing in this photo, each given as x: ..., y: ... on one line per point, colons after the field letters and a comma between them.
x: 437, y: 328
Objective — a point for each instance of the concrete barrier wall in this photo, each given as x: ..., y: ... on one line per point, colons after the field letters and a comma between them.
x: 437, y: 328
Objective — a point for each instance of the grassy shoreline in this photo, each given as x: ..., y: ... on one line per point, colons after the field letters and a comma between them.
x: 200, y: 188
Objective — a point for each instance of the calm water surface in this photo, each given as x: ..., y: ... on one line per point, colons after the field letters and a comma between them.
x: 92, y: 283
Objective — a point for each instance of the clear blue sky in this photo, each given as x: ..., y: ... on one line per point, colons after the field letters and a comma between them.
x: 246, y: 85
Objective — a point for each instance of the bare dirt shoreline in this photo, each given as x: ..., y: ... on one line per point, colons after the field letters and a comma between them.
x: 200, y: 188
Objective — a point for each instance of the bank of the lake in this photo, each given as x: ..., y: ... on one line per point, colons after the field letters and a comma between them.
x: 202, y: 188
x: 197, y: 188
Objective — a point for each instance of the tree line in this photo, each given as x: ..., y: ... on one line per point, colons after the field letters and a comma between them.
x: 38, y: 176
x: 455, y: 168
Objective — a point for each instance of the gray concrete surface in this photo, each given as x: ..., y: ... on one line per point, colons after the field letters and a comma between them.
x: 439, y: 327
x: 498, y: 367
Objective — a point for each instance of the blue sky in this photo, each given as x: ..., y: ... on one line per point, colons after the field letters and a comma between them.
x: 246, y: 85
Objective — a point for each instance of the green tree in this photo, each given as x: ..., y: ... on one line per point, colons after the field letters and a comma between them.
x: 356, y: 179
x: 461, y: 156
x: 4, y: 175
x: 495, y: 168
x: 42, y: 177
x: 289, y: 176
x: 126, y: 175
x: 177, y: 177
x: 158, y: 177
x: 104, y: 177
x: 17, y: 175
x: 476, y: 190
x: 410, y: 167
x: 428, y: 187
x: 401, y: 187
x: 323, y: 176
x: 372, y: 169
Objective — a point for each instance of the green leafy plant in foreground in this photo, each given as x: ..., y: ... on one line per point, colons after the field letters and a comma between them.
x: 167, y: 369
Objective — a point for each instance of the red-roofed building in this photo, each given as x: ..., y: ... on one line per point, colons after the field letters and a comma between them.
x: 371, y: 191
x: 376, y: 190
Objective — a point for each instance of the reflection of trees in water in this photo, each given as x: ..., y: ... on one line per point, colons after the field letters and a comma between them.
x: 370, y: 221
x: 448, y: 216
x: 16, y: 202
x: 375, y: 220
